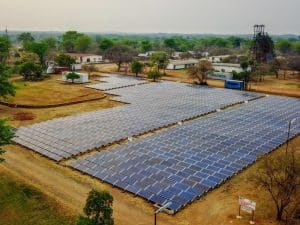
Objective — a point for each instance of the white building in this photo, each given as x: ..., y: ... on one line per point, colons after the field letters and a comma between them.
x: 217, y: 59
x: 227, y: 67
x: 83, y: 77
x: 181, y: 64
x: 86, y: 58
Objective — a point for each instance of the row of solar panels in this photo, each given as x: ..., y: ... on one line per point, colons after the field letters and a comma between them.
x: 116, y: 81
x: 180, y: 164
x: 153, y: 106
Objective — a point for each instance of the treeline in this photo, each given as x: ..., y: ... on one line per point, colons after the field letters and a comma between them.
x: 73, y: 41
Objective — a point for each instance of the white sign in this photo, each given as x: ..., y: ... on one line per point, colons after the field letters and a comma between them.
x: 247, y: 205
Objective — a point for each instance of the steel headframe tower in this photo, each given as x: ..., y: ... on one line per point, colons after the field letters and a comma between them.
x: 259, y: 29
x: 263, y: 46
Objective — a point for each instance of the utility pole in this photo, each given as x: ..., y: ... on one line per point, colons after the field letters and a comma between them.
x: 6, y: 32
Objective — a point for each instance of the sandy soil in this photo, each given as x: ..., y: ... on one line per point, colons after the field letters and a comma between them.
x: 69, y: 188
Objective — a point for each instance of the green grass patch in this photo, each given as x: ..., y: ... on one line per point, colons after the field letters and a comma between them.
x: 22, y: 204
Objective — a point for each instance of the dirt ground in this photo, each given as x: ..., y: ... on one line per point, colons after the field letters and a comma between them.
x: 69, y: 188
x: 51, y: 91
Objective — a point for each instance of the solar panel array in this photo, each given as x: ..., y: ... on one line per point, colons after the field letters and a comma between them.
x: 182, y: 163
x: 116, y: 81
x: 152, y: 106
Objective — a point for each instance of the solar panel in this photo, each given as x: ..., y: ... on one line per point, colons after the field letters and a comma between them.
x: 114, y: 81
x: 152, y: 106
x: 182, y: 163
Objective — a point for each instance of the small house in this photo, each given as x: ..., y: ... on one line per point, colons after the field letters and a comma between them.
x: 86, y: 58
x: 181, y: 64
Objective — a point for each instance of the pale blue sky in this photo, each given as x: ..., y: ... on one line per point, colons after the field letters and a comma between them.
x: 168, y: 16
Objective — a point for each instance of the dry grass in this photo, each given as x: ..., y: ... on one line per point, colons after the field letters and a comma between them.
x: 40, y: 115
x: 51, y: 91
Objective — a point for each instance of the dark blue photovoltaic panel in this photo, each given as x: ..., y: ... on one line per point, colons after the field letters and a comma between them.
x: 182, y: 163
x: 116, y: 81
x: 152, y: 106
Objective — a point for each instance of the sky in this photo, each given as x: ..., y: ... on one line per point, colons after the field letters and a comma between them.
x: 151, y: 16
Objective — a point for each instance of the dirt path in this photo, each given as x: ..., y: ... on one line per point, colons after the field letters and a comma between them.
x: 69, y: 188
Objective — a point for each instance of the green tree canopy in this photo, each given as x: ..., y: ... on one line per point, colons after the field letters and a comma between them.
x: 31, y: 71
x: 51, y: 42
x: 6, y: 87
x: 72, y: 76
x: 25, y: 37
x: 65, y: 60
x: 83, y: 43
x: 160, y: 59
x: 6, y: 135
x: 170, y: 43
x: 69, y: 40
x: 105, y: 44
x: 137, y: 67
x: 284, y: 46
x: 98, y: 209
x: 146, y: 46
x: 39, y: 48
x: 154, y: 74
x: 4, y: 48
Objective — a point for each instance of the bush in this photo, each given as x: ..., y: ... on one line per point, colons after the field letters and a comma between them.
x: 154, y: 75
x: 72, y: 76
x: 31, y: 71
x: 98, y: 209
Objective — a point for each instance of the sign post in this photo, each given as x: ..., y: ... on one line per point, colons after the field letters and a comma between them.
x: 248, y: 206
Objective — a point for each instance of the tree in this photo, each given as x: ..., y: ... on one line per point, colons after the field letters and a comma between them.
x: 72, y: 76
x: 4, y: 48
x: 280, y: 177
x: 65, y: 60
x: 137, y: 67
x: 160, y: 59
x: 200, y: 71
x: 6, y: 135
x: 6, y: 87
x: 51, y: 42
x: 31, y: 71
x: 263, y: 48
x: 170, y: 43
x: 98, y: 209
x: 284, y: 46
x: 154, y: 74
x: 39, y: 48
x: 25, y: 37
x: 146, y: 46
x: 83, y: 43
x: 294, y: 63
x: 120, y: 54
x: 106, y: 44
x: 69, y: 40
x: 277, y: 65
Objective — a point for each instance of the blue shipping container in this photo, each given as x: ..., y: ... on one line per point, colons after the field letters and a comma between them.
x: 234, y: 84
